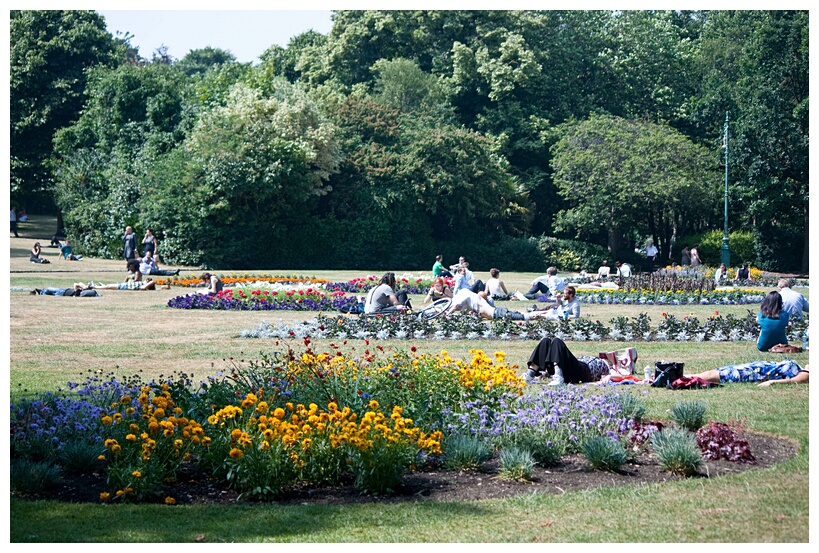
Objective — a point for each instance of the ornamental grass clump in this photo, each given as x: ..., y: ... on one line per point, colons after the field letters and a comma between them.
x: 689, y: 414
x: 33, y: 477
x: 516, y: 464
x: 677, y: 451
x: 605, y: 453
x: 465, y: 451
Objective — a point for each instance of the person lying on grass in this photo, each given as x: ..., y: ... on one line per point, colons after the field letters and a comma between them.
x: 467, y: 300
x: 766, y: 373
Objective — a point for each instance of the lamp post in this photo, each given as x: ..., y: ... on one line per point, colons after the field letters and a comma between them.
x: 725, y: 252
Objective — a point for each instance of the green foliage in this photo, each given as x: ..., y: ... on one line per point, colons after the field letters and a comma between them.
x: 710, y: 247
x: 465, y: 451
x: 79, y: 456
x: 677, y: 451
x: 634, y: 407
x: 605, y: 453
x: 604, y: 165
x: 546, y: 447
x: 32, y: 477
x: 51, y: 50
x: 689, y: 414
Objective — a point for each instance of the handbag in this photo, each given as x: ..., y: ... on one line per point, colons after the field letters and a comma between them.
x: 785, y: 348
x: 621, y: 361
x: 665, y: 373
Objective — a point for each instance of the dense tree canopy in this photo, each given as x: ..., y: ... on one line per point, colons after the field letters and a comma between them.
x: 406, y: 133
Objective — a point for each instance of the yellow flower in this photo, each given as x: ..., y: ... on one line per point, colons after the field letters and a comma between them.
x: 373, y: 405
x: 236, y: 454
x: 136, y: 474
x: 278, y: 413
x: 170, y: 501
x: 105, y: 496
x: 100, y: 457
x: 106, y: 420
x: 130, y: 438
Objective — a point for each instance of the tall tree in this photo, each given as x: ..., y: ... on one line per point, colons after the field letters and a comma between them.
x: 631, y: 179
x: 50, y: 52
x: 754, y: 65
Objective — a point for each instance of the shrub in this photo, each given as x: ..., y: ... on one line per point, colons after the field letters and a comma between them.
x: 689, y: 414
x: 32, y: 477
x: 605, y: 453
x: 677, y: 451
x: 465, y: 451
x: 516, y: 464
x: 719, y: 441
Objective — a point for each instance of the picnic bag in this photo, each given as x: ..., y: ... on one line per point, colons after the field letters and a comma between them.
x: 666, y: 372
x: 621, y: 361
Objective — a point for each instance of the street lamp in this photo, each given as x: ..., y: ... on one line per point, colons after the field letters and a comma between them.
x: 725, y: 252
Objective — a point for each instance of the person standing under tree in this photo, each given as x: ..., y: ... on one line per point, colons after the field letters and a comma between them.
x: 129, y: 244
x: 14, y: 222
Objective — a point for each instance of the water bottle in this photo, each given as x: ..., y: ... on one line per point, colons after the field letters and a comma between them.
x: 805, y: 340
x: 565, y: 314
x: 647, y: 373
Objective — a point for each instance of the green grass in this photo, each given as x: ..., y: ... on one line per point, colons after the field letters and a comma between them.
x: 55, y: 340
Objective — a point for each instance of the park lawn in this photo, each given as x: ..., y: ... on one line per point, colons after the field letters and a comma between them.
x: 54, y: 340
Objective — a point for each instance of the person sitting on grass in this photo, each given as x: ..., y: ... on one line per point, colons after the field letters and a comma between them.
x: 384, y: 299
x: 772, y: 322
x: 67, y: 252
x: 549, y: 284
x: 35, y: 254
x: 567, y: 306
x: 766, y: 373
x: 437, y: 291
x: 148, y: 266
x: 214, y: 284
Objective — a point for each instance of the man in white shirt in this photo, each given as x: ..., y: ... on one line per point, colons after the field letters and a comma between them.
x: 548, y: 284
x: 792, y: 301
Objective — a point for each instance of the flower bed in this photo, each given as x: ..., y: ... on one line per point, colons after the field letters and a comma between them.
x: 462, y: 326
x: 302, y: 418
x: 634, y: 296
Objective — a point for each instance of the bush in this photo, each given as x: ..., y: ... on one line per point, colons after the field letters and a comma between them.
x: 689, y: 414
x: 516, y: 464
x: 605, y: 453
x: 547, y: 447
x: 465, y: 452
x: 677, y: 451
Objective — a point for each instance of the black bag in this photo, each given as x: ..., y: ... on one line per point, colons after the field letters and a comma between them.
x: 665, y: 373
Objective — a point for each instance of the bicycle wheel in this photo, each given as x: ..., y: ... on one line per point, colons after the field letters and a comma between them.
x: 437, y: 308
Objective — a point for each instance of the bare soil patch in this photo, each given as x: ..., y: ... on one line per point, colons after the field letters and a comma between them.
x: 434, y: 484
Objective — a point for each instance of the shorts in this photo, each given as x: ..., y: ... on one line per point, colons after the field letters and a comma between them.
x: 130, y: 285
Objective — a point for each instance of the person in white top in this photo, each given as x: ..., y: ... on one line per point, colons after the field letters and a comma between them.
x: 651, y: 253
x: 567, y: 306
x: 603, y: 271
x: 792, y: 301
x: 467, y: 300
x: 548, y: 284
x: 623, y: 270
x: 495, y: 288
